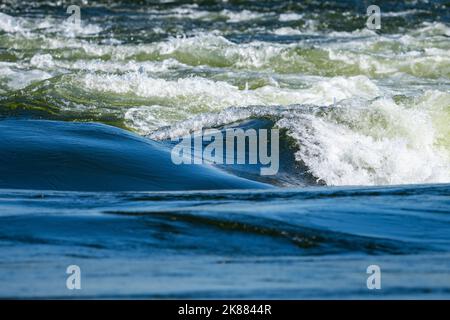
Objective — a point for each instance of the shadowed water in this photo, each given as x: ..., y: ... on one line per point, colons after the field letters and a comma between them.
x: 304, y: 243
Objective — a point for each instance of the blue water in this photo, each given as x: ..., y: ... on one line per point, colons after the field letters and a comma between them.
x: 267, y: 242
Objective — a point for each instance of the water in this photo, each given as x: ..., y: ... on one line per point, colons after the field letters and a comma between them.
x: 87, y: 113
x: 282, y: 243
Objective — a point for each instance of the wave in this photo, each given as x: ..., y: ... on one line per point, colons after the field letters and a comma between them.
x: 153, y: 102
x: 364, y: 138
x: 379, y: 142
x: 324, y: 54
x: 47, y: 155
x: 357, y: 106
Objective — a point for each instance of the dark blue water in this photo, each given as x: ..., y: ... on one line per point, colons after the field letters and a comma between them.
x: 268, y: 242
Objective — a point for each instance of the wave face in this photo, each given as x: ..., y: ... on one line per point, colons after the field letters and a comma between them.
x: 86, y: 116
x: 48, y: 155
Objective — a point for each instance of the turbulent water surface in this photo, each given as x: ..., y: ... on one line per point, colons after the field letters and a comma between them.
x: 86, y: 116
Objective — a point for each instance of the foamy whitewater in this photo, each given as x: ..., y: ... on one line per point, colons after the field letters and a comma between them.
x: 356, y: 108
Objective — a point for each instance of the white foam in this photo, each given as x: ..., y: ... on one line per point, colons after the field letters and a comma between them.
x: 42, y: 61
x: 148, y: 117
x: 425, y: 63
x: 19, y: 79
x: 113, y: 66
x: 32, y: 27
x: 290, y: 17
x: 400, y: 13
x: 10, y: 24
x: 287, y: 31
x: 240, y: 16
x: 189, y: 96
x: 434, y: 28
x: 14, y: 77
x: 73, y: 30
x: 384, y: 144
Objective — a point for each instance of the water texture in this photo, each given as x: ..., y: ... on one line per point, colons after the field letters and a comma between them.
x: 87, y: 113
